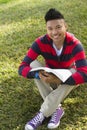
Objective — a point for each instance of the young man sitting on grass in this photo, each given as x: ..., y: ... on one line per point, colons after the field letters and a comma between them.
x: 61, y: 50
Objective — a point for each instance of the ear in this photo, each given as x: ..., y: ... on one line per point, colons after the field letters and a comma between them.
x: 66, y: 26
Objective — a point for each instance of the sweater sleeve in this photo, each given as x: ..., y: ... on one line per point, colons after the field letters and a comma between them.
x: 80, y: 76
x: 32, y: 54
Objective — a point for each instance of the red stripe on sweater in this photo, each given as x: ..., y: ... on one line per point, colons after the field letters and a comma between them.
x: 61, y: 64
x: 83, y: 69
x: 69, y: 49
x: 25, y: 71
x: 45, y: 47
x: 32, y: 54
x: 70, y: 37
x: 80, y: 55
x: 78, y: 78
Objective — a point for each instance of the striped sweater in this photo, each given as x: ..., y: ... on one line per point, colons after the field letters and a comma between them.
x: 72, y: 55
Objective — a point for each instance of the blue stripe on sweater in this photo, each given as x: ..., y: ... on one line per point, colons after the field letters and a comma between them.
x: 81, y: 63
x: 78, y: 48
x: 27, y: 60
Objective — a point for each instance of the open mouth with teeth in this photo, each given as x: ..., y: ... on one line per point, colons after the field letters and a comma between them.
x: 56, y: 36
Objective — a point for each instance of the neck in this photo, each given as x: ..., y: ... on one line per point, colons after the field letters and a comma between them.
x: 59, y: 44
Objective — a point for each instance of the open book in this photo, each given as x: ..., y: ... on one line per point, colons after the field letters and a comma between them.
x: 62, y: 74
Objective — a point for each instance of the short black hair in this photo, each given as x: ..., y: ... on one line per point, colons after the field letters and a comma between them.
x: 53, y: 14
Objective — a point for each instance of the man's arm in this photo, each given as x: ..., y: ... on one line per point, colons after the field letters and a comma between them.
x: 80, y: 76
x: 24, y: 68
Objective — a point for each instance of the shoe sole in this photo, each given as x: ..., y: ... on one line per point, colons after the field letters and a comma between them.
x: 26, y: 128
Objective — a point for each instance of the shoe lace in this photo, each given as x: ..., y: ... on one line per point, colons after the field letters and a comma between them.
x: 37, y: 120
x: 57, y: 115
x: 54, y: 116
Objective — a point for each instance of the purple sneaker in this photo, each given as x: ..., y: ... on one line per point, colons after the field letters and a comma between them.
x: 35, y: 122
x: 55, y: 119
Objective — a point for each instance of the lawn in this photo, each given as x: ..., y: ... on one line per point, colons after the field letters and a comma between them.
x: 21, y: 22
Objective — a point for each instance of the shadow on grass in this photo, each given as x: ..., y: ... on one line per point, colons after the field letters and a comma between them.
x: 20, y: 100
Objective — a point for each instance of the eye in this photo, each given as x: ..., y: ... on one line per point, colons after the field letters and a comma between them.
x: 58, y: 27
x: 50, y: 28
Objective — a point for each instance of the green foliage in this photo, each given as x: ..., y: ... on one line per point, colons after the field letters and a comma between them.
x: 4, y: 1
x: 21, y: 22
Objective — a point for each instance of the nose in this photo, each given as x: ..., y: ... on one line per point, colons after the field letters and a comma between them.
x: 54, y: 32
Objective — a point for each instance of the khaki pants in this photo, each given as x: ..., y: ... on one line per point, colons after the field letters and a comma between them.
x: 52, y: 97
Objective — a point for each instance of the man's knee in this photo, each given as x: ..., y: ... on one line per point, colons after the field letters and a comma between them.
x: 35, y: 64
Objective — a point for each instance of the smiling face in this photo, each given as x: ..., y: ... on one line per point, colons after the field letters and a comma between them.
x: 56, y: 30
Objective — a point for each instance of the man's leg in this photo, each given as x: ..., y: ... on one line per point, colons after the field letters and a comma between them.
x: 43, y: 87
x: 52, y: 98
x: 51, y: 107
x: 55, y: 98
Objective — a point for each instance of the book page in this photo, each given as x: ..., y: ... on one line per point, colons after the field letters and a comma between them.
x: 62, y: 74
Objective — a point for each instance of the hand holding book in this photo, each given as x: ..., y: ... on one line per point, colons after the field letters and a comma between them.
x: 49, y: 77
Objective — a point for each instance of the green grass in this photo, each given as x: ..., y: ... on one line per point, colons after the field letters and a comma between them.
x: 21, y: 22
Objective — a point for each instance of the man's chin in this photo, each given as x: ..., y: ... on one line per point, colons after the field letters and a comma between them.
x: 56, y: 40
